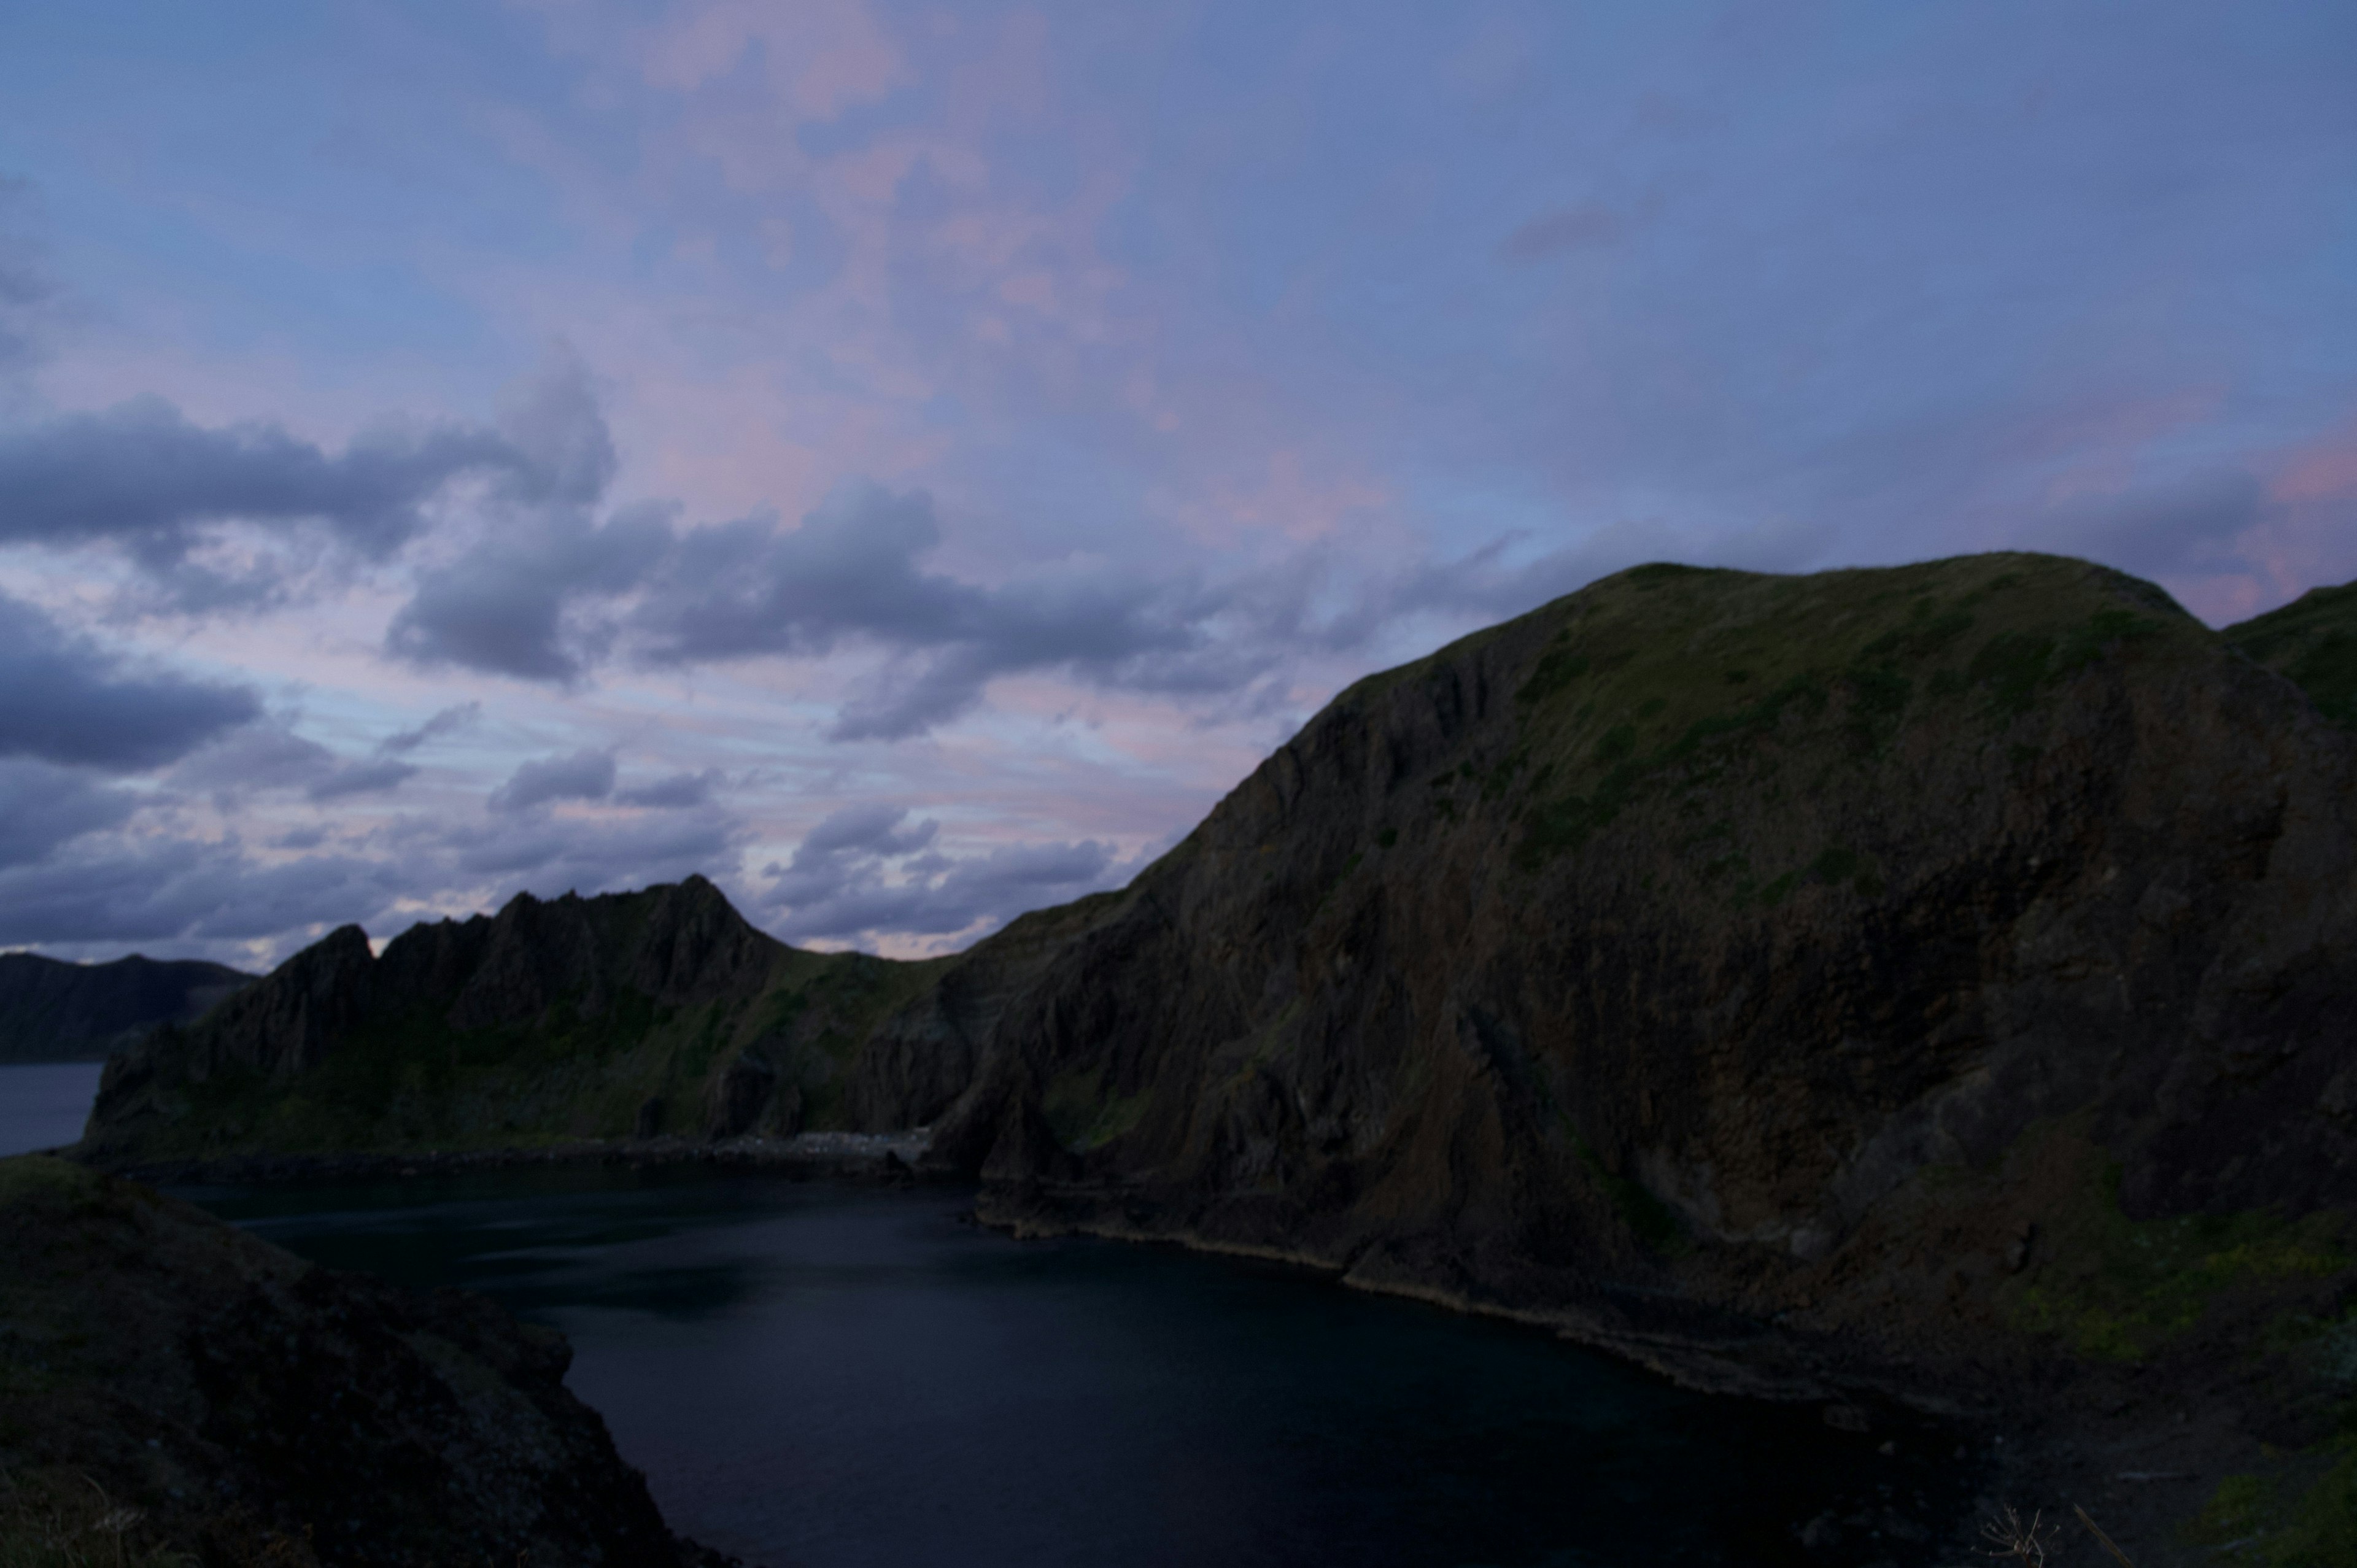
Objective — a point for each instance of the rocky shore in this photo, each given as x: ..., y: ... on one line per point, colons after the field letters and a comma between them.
x: 874, y: 1157
x: 173, y: 1388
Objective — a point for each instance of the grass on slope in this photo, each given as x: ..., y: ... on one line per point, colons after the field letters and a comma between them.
x: 411, y: 1082
x: 1666, y: 679
x: 2313, y: 641
x: 2115, y: 1288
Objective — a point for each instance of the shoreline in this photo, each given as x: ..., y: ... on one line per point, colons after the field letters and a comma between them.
x: 891, y: 1157
x: 2028, y: 1443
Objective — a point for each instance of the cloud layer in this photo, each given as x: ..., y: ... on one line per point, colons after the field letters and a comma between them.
x: 963, y: 441
x: 65, y: 699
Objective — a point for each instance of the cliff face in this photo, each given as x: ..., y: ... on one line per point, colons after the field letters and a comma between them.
x: 1944, y: 956
x: 54, y: 1012
x: 1958, y: 955
x: 627, y: 1014
x: 180, y: 1386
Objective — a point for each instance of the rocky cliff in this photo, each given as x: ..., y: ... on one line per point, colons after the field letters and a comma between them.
x: 172, y: 1389
x: 1942, y: 978
x: 623, y: 1016
x: 52, y: 1011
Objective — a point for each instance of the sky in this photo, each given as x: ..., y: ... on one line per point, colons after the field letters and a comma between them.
x: 908, y: 461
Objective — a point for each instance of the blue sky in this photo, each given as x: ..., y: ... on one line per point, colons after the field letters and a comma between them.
x: 907, y: 461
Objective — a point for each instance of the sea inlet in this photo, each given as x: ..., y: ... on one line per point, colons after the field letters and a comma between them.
x: 823, y: 1374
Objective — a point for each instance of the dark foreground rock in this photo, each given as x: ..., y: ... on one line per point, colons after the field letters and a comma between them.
x: 169, y: 1384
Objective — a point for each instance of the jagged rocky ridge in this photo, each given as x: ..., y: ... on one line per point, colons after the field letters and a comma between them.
x: 1940, y: 974
x: 627, y: 1014
x: 174, y: 1389
x: 51, y: 1011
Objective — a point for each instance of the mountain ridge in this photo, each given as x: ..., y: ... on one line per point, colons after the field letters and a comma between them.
x: 1938, y: 980
x: 53, y: 1011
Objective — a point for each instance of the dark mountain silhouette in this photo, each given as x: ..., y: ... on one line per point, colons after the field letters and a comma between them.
x: 51, y: 1011
x: 1937, y: 980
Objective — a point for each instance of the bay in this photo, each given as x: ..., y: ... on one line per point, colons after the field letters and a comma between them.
x: 835, y: 1375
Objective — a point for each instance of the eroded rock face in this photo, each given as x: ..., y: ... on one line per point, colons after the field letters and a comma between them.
x: 1687, y: 934
x: 1703, y: 937
x: 658, y: 1013
x: 250, y: 1407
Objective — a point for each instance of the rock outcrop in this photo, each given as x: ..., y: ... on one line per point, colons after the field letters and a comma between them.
x: 51, y: 1011
x: 172, y: 1388
x: 1729, y: 905
x: 627, y: 1014
x: 1941, y: 978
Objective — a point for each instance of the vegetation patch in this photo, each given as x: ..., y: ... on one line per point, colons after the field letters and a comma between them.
x: 1083, y: 1115
x: 2114, y: 1288
x: 58, y: 1519
x: 1558, y: 668
x: 1654, y: 1224
x: 2262, y: 1520
x: 1680, y: 680
x: 2312, y: 641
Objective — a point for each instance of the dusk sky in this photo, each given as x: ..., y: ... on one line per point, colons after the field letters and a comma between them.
x: 908, y: 461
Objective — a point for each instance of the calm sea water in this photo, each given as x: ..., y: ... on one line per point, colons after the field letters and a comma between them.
x: 45, y: 1105
x: 816, y: 1374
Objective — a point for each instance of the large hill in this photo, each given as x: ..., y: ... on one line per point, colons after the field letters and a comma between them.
x: 1940, y: 979
x: 51, y: 1011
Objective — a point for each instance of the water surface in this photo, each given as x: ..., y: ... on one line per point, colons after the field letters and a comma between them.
x: 816, y: 1374
x: 45, y: 1104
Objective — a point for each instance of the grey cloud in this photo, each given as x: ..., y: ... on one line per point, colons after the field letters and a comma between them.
x: 840, y: 885
x: 518, y: 607
x: 502, y: 608
x: 361, y: 778
x: 255, y: 756
x: 186, y: 891
x: 845, y: 849
x: 102, y: 891
x: 67, y: 700
x: 584, y: 775
x: 850, y: 572
x: 1565, y: 229
x: 549, y: 605
x: 558, y: 427
x: 43, y: 808
x: 26, y: 290
x: 386, y: 770
x: 2191, y: 527
x: 141, y: 476
x: 271, y: 756
x: 548, y: 855
x: 678, y: 792
x: 449, y: 721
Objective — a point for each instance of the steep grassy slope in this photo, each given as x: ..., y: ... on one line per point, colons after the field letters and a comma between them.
x: 1953, y: 965
x: 54, y: 1012
x: 2313, y: 640
x: 629, y: 1014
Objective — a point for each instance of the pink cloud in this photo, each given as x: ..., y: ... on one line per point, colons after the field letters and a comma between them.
x: 2322, y: 469
x: 822, y: 55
